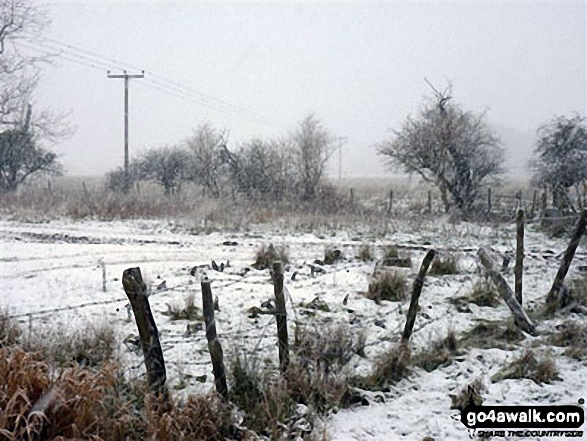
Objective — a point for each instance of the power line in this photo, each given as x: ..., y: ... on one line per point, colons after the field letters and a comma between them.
x: 96, y: 59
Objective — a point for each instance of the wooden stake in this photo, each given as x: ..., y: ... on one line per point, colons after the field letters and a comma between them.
x: 557, y: 285
x: 136, y: 291
x: 214, y: 345
x: 519, y: 268
x: 429, y: 202
x: 280, y: 316
x: 390, y: 206
x: 103, y: 266
x: 489, y: 200
x: 533, y: 210
x: 522, y: 320
x: 416, y: 291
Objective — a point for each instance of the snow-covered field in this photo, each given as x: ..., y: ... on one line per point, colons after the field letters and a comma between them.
x: 51, y: 276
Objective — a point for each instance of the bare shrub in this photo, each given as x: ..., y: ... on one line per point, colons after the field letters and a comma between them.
x: 530, y: 367
x: 266, y: 255
x: 470, y: 394
x: 388, y: 285
x: 444, y: 265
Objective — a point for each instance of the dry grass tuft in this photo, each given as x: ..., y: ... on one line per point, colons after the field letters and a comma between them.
x: 10, y: 332
x: 266, y: 255
x: 439, y: 353
x: 388, y: 285
x: 492, y: 334
x: 91, y: 346
x: 365, y: 253
x: 529, y: 366
x: 483, y: 293
x: 393, y: 257
x: 469, y: 394
x: 572, y: 336
x: 331, y: 256
x: 327, y: 348
x: 189, y: 312
x: 391, y: 367
x: 444, y: 265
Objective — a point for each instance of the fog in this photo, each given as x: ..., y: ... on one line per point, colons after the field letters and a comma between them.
x: 257, y: 69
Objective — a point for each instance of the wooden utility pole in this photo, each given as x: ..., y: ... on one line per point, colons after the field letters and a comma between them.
x: 126, y: 77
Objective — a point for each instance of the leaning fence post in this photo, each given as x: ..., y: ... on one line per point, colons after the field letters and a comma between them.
x: 136, y: 291
x: 519, y: 268
x: 522, y: 320
x: 416, y: 291
x: 390, y: 206
x: 489, y: 200
x: 214, y: 346
x: 578, y: 231
x: 280, y: 316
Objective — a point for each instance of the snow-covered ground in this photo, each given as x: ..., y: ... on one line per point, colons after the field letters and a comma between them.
x: 51, y: 276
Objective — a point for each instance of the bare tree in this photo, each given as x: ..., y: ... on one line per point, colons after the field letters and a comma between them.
x: 21, y: 156
x: 208, y: 164
x: 449, y: 147
x: 313, y: 146
x: 561, y: 158
x: 167, y: 166
x: 23, y: 132
x: 263, y: 170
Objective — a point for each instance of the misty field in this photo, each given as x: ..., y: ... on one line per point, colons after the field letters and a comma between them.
x: 61, y: 275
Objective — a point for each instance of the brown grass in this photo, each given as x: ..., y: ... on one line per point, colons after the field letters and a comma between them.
x: 492, y: 334
x: 388, y: 285
x: 572, y: 336
x: 365, y: 253
x: 444, y: 265
x: 483, y: 293
x: 439, y: 353
x: 390, y: 367
x: 10, y: 332
x: 529, y: 366
x: 266, y: 255
x: 469, y: 394
x: 189, y: 311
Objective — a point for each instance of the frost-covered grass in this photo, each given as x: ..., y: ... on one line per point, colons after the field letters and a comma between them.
x: 52, y: 279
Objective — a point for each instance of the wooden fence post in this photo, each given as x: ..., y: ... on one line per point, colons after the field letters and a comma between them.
x: 489, y: 200
x: 136, y: 291
x: 352, y: 197
x: 519, y: 268
x: 522, y: 320
x: 429, y: 202
x: 578, y: 231
x: 544, y: 199
x: 280, y: 316
x: 390, y: 206
x: 103, y: 266
x: 214, y: 345
x: 416, y: 291
x: 533, y: 209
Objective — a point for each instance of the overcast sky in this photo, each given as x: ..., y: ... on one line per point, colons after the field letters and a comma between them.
x: 258, y: 68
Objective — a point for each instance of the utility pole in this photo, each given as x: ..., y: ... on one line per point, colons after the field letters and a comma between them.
x: 126, y: 77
